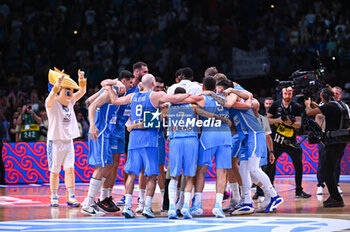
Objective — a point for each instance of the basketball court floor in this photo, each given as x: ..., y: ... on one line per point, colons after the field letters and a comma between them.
x: 26, y: 208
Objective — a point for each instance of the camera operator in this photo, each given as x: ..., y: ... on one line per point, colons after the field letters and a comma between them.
x: 284, y: 116
x: 319, y: 118
x: 29, y: 123
x: 333, y: 112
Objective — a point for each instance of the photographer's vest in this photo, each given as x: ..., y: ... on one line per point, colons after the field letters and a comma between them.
x: 281, y: 133
x: 30, y: 129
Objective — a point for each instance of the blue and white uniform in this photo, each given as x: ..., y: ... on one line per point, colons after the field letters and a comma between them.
x: 215, y: 141
x: 237, y: 139
x: 118, y: 134
x: 183, y: 153
x: 100, y: 152
x: 255, y: 138
x: 142, y: 149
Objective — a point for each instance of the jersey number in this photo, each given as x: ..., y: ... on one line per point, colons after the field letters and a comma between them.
x: 219, y: 107
x: 279, y: 139
x: 138, y: 110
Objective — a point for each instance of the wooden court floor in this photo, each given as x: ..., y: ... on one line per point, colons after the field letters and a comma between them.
x: 28, y: 202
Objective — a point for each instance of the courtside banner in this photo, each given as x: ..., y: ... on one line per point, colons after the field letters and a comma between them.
x: 27, y: 162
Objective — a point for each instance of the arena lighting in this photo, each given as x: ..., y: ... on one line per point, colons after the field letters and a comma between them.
x: 333, y: 57
x: 272, y: 6
x: 75, y: 32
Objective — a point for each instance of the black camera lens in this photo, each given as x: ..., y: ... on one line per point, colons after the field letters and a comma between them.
x: 29, y: 107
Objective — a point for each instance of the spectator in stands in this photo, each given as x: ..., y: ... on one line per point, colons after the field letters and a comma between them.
x: 44, y: 125
x: 29, y: 123
x: 13, y: 132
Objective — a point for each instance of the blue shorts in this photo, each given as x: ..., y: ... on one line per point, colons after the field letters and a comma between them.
x: 183, y: 155
x: 254, y: 143
x: 222, y: 156
x: 100, y: 152
x: 236, y: 145
x: 117, y: 145
x: 145, y: 157
x: 161, y: 152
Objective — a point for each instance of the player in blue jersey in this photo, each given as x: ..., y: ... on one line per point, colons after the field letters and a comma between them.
x: 215, y: 141
x: 255, y: 141
x: 102, y: 123
x: 117, y: 141
x: 233, y: 173
x: 183, y: 152
x: 142, y: 148
x: 237, y: 139
x: 139, y: 70
x: 159, y: 86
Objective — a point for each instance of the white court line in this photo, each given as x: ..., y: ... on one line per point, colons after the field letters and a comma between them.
x: 109, y: 228
x: 32, y: 223
x: 13, y: 227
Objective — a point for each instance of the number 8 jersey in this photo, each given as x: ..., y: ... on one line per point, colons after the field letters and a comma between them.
x: 148, y: 137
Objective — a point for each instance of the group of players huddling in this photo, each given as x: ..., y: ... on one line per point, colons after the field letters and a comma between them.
x: 215, y: 118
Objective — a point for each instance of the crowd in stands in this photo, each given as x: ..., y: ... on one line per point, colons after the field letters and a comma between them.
x: 106, y: 36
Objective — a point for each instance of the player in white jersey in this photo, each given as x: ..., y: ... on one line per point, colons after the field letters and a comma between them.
x: 63, y: 128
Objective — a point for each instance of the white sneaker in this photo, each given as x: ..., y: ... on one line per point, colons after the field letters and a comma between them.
x: 261, y: 199
x: 148, y: 213
x: 128, y: 213
x: 339, y: 190
x: 72, y: 201
x: 196, y: 210
x: 92, y: 210
x: 185, y: 211
x: 217, y: 211
x: 320, y: 190
x: 140, y: 206
x: 172, y: 212
x: 230, y: 207
x: 54, y: 201
x: 264, y: 205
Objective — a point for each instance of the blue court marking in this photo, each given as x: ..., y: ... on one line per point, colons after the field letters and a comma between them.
x: 239, y: 224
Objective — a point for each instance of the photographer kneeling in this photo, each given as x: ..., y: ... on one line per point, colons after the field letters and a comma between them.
x: 336, y: 119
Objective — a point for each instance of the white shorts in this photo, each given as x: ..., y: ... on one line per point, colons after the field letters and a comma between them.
x: 60, y: 152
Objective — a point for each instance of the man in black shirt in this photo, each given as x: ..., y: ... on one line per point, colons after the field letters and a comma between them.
x: 332, y: 110
x: 285, y: 117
